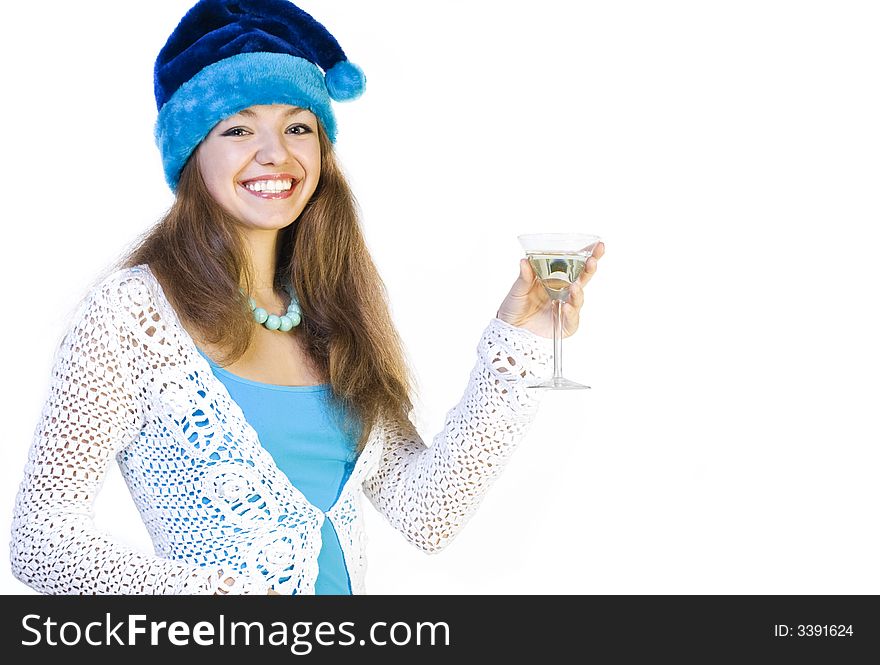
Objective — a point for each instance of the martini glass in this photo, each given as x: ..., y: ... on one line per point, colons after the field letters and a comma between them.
x: 558, y: 259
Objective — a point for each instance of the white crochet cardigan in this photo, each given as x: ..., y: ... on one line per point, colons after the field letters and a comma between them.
x: 128, y: 382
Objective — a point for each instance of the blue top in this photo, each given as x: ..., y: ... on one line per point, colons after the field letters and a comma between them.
x: 295, y: 424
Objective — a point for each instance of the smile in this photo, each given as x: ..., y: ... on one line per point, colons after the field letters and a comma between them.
x: 270, y: 187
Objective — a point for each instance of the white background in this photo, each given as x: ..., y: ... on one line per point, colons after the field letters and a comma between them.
x: 729, y: 154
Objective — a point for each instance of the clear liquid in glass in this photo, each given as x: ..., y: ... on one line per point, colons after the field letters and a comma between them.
x: 557, y: 271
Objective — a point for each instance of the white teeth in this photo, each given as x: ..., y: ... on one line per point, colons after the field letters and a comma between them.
x: 272, y: 186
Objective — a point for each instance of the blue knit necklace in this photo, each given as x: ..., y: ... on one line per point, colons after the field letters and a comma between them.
x: 285, y: 322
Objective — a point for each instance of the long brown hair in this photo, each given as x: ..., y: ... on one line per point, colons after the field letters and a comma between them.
x: 199, y: 255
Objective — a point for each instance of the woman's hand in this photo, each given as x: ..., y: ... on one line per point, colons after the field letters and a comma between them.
x: 528, y: 306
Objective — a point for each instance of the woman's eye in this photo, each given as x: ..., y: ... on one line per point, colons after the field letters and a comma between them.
x: 299, y: 129
x: 235, y: 131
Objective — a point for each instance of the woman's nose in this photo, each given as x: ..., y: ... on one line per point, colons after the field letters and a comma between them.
x: 272, y: 150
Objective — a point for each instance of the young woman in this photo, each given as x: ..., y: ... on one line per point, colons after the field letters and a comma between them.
x: 241, y: 364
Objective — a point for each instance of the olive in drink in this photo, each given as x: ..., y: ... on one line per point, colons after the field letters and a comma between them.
x: 557, y: 271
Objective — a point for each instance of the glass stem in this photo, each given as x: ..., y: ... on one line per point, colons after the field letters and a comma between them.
x: 557, y: 339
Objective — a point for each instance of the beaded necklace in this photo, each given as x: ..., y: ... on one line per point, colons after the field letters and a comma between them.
x: 284, y: 322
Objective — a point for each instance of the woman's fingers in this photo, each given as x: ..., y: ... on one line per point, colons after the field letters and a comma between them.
x: 571, y: 316
x: 588, y: 272
x: 591, y: 266
x: 576, y: 295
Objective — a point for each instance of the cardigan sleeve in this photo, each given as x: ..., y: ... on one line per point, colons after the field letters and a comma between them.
x: 92, y: 411
x: 428, y: 493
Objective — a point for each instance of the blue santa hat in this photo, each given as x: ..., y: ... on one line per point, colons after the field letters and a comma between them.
x: 227, y: 55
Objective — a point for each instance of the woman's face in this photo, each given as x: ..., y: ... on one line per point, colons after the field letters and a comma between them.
x: 262, y: 165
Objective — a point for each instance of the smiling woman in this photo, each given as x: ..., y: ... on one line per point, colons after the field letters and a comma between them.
x: 242, y: 158
x: 246, y: 437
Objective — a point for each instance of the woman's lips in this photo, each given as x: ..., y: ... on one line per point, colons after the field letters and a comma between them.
x: 272, y: 195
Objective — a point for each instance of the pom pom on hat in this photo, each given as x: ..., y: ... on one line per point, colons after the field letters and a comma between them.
x: 227, y: 55
x: 345, y: 81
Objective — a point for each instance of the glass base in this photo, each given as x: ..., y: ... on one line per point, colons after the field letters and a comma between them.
x: 560, y: 383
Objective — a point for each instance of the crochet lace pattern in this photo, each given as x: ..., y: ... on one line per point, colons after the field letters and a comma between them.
x: 129, y: 383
